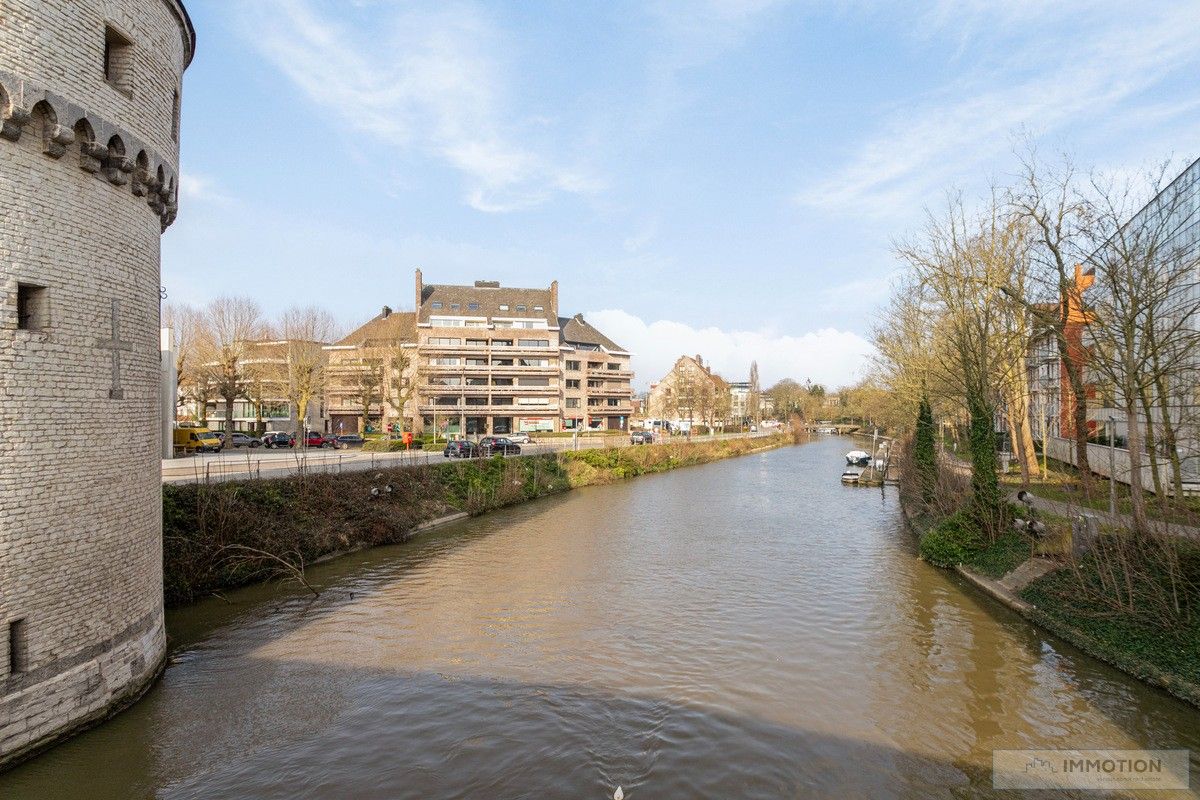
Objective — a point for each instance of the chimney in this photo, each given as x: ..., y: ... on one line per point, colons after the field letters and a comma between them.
x: 387, y: 312
x: 420, y: 291
x: 554, y: 298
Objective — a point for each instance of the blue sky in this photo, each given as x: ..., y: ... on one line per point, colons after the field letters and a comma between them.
x: 722, y: 177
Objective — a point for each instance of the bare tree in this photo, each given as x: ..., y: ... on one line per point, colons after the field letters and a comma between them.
x: 962, y: 261
x: 228, y: 327
x: 367, y: 385
x: 1049, y: 197
x: 190, y: 382
x: 305, y: 331
x: 1145, y: 305
x: 399, y: 381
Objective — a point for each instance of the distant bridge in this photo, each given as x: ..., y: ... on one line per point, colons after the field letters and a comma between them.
x: 830, y: 427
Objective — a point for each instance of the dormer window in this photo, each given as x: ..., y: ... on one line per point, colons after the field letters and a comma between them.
x: 504, y: 306
x: 436, y: 304
x: 520, y: 308
x: 472, y: 306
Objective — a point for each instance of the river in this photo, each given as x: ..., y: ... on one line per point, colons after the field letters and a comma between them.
x: 745, y: 629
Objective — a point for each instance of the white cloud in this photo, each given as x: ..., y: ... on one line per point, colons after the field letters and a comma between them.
x: 1037, y: 84
x: 433, y: 81
x: 827, y: 356
x: 197, y: 187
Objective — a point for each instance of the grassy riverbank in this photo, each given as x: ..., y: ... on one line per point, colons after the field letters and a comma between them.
x: 219, y: 535
x: 1133, y: 604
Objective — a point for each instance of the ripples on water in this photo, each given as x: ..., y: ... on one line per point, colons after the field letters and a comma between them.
x: 747, y: 629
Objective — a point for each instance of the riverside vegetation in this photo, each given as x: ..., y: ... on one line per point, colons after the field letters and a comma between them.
x: 220, y: 535
x: 1132, y: 600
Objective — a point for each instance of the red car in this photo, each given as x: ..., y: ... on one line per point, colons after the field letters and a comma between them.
x: 314, y: 439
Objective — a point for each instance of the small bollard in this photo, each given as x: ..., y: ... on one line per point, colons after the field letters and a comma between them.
x: 1085, y: 530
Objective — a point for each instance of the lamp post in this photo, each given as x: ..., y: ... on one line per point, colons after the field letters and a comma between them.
x: 1112, y: 468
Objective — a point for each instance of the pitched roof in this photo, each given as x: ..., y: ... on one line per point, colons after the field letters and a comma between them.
x: 488, y: 299
x: 385, y: 328
x: 577, y: 330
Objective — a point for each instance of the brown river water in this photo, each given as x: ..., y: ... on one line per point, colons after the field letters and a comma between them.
x: 745, y: 629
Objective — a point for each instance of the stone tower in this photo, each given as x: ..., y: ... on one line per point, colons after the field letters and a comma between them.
x: 89, y: 154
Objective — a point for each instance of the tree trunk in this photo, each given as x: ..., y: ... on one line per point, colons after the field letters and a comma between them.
x: 228, y: 422
x: 1079, y: 420
x: 1170, y: 439
x: 1152, y: 450
x: 1137, y: 495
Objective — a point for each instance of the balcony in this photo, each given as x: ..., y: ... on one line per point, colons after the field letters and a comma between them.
x: 503, y: 410
x: 603, y: 372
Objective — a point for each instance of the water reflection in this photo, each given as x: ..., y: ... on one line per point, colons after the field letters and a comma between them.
x: 746, y: 629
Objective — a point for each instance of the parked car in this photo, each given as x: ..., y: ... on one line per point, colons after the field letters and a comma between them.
x: 242, y: 440
x: 460, y: 448
x: 351, y: 440
x: 641, y: 437
x: 314, y: 439
x: 330, y: 440
x: 520, y: 437
x: 498, y: 444
x: 278, y: 439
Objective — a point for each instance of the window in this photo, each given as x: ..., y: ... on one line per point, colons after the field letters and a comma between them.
x: 533, y: 343
x: 476, y: 342
x: 442, y: 341
x: 445, y: 322
x: 472, y: 306
x: 175, y: 115
x: 502, y: 401
x: 504, y: 306
x: 534, y: 382
x: 31, y: 307
x: 455, y: 306
x: 18, y: 647
x: 475, y: 323
x: 502, y: 362
x: 436, y: 304
x: 612, y: 401
x: 538, y: 308
x: 572, y: 383
x: 502, y: 342
x: 613, y: 367
x: 573, y: 366
x: 533, y: 362
x: 594, y: 364
x: 520, y: 308
x: 572, y: 402
x: 444, y: 362
x: 502, y: 381
x: 476, y: 362
x: 477, y: 381
x: 118, y: 57
x: 477, y: 401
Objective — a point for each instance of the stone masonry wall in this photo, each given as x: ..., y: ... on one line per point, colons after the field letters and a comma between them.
x: 88, y: 176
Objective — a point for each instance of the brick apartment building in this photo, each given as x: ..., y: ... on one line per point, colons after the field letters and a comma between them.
x: 483, y: 359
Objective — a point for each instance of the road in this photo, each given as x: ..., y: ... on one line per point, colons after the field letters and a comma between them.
x: 260, y: 463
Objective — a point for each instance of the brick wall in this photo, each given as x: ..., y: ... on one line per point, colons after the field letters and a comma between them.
x: 80, y: 507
